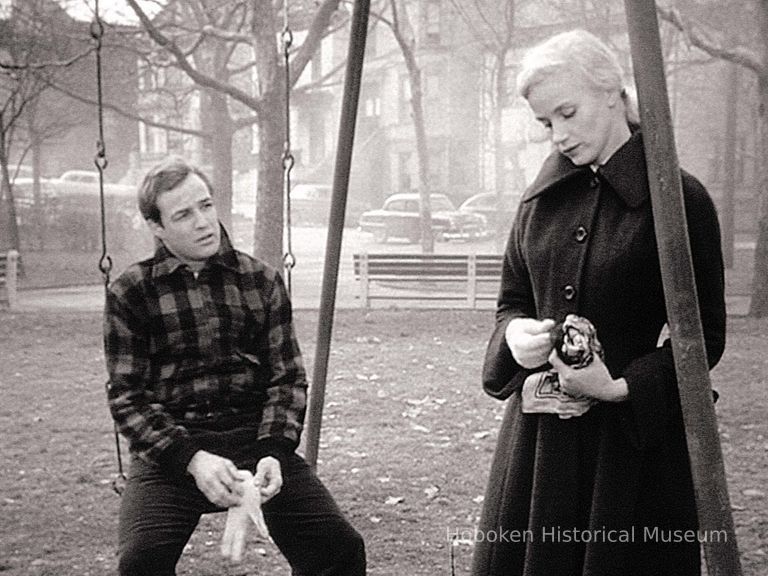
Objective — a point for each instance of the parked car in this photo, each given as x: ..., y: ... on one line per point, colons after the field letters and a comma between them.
x: 486, y: 203
x: 18, y: 172
x: 310, y: 203
x: 399, y: 218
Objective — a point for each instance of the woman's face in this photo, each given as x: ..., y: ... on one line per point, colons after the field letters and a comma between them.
x: 586, y: 124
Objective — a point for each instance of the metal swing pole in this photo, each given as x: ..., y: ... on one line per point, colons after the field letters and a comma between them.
x: 712, y: 502
x: 352, y: 80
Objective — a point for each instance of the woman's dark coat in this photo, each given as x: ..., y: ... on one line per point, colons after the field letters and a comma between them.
x: 584, y: 243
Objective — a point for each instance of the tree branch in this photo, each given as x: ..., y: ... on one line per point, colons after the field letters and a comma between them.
x: 315, y: 34
x: 198, y: 77
x: 129, y: 115
x: 50, y: 64
x: 227, y: 35
x: 701, y: 38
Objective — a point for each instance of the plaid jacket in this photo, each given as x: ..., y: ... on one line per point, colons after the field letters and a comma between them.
x: 186, y: 353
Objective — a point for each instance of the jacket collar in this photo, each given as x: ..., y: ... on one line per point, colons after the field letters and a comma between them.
x: 165, y: 262
x: 625, y: 172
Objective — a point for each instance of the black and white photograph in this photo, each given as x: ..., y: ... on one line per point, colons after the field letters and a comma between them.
x: 383, y: 287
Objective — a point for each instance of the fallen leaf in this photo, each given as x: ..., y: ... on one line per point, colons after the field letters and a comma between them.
x: 753, y: 493
x: 412, y: 412
x: 393, y: 500
x: 432, y: 491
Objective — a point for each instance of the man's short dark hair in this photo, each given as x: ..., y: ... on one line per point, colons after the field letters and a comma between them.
x: 163, y: 177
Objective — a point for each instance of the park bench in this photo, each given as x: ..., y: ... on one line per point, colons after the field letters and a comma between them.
x: 427, y: 277
x: 8, y: 275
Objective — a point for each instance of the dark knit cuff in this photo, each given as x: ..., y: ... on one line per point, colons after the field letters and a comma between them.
x: 279, y: 448
x: 177, y: 456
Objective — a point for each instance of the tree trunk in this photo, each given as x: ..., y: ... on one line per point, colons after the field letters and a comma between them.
x: 422, y: 152
x: 500, y: 98
x: 38, y: 240
x: 221, y: 130
x: 729, y: 168
x: 759, y: 305
x: 268, y: 235
x: 9, y: 220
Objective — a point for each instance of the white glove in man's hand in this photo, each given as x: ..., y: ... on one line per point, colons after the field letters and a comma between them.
x: 240, y: 517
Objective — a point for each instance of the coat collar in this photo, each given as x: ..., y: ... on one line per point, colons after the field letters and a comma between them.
x: 625, y: 171
x: 166, y: 263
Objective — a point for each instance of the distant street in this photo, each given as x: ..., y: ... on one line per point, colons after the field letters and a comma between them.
x: 309, y: 249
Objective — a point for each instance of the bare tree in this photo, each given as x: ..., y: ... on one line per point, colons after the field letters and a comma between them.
x: 29, y: 55
x: 727, y: 45
x: 492, y: 25
x: 399, y: 23
x: 202, y: 43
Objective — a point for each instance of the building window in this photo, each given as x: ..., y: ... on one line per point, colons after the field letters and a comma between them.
x: 372, y: 106
x: 405, y: 99
x: 316, y: 64
x: 371, y: 97
x: 316, y: 138
x: 432, y: 85
x: 461, y: 162
x: 151, y: 76
x: 432, y: 24
x: 371, y: 43
x: 152, y: 140
x: 404, y: 172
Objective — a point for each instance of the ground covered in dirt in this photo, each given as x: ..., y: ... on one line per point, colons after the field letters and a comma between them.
x: 406, y: 443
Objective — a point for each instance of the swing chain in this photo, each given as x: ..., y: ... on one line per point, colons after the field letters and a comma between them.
x: 100, y: 160
x: 97, y: 33
x: 289, y: 259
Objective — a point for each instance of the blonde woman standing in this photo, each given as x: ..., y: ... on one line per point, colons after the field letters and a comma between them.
x: 591, y: 475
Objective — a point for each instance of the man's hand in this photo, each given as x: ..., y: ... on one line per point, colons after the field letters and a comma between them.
x: 593, y: 381
x: 217, y: 478
x: 529, y: 341
x: 268, y: 478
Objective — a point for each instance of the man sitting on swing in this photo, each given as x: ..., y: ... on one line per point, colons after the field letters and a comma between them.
x: 206, y: 381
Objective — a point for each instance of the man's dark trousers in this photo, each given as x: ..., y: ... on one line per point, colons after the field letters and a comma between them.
x: 159, y: 513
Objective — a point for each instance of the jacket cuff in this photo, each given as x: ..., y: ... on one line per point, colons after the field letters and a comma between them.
x: 279, y: 448
x: 501, y: 374
x: 176, y: 457
x: 653, y: 399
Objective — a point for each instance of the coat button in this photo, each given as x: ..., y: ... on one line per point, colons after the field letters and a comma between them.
x: 594, y: 183
x: 569, y: 292
x: 580, y: 234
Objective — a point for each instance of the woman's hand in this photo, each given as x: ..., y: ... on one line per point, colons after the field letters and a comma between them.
x: 529, y: 341
x: 593, y: 381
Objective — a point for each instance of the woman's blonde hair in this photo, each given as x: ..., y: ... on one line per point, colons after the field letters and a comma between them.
x: 579, y: 51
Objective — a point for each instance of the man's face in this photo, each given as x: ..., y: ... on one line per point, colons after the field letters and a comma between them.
x: 189, y: 225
